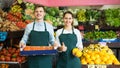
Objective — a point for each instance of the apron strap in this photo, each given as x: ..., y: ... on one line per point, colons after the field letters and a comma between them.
x: 45, y: 26
x: 72, y: 30
x: 62, y: 31
x: 33, y: 25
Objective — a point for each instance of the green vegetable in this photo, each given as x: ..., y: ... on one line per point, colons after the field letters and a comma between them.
x: 112, y: 17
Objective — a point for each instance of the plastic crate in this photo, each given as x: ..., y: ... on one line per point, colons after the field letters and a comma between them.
x: 3, y: 36
x: 38, y: 52
x: 109, y: 40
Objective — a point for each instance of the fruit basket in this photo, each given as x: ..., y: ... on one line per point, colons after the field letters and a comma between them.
x: 38, y: 50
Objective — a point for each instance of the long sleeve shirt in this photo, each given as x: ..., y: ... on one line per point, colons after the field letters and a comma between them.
x: 39, y: 26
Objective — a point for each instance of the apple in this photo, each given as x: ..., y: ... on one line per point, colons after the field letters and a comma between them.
x: 2, y: 58
x: 17, y: 51
x: 19, y: 59
x: 23, y: 58
x: 13, y: 59
x: 9, y: 55
x: 7, y: 58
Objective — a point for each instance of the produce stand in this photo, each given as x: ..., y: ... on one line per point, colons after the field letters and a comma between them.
x: 115, y: 46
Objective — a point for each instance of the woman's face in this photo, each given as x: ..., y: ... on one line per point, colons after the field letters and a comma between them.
x: 39, y: 13
x: 68, y: 19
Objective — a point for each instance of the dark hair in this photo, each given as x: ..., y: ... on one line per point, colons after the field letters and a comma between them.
x: 37, y: 6
x: 68, y: 12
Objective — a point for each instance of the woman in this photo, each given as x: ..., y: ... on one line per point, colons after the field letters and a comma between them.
x: 39, y: 33
x: 68, y: 38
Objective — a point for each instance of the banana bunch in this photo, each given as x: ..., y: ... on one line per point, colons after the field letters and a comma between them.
x: 16, y: 8
x: 81, y: 15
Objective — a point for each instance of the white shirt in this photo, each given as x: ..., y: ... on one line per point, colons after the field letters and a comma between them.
x: 39, y: 26
x: 76, y: 31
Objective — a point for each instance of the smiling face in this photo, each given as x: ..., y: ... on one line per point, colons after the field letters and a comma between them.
x: 39, y: 13
x: 68, y: 19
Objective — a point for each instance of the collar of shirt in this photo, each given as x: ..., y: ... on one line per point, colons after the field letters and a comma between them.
x: 39, y: 23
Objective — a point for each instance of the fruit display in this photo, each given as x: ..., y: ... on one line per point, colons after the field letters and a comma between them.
x: 97, y: 35
x: 8, y: 26
x: 81, y: 17
x: 92, y: 15
x: 14, y: 17
x: 16, y: 8
x: 4, y: 65
x: 11, y: 55
x: 77, y: 52
x: 98, y: 54
x: 112, y: 17
x: 52, y: 15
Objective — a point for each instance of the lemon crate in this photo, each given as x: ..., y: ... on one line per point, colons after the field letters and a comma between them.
x: 3, y: 36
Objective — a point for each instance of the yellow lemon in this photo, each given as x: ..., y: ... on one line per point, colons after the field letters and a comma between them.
x: 102, y: 62
x: 104, y: 59
x: 91, y: 62
x: 108, y: 62
x: 97, y: 56
x: 88, y: 60
x: 87, y: 56
x: 97, y: 61
x: 78, y: 54
x: 93, y: 57
x: 75, y: 50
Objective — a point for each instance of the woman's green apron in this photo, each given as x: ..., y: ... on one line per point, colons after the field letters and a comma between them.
x: 66, y: 59
x: 39, y: 38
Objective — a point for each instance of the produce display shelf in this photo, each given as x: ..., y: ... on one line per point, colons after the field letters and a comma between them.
x: 38, y: 52
x: 100, y: 66
x: 11, y: 62
x: 14, y: 64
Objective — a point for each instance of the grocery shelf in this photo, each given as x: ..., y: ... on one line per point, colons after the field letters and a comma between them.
x: 104, y: 66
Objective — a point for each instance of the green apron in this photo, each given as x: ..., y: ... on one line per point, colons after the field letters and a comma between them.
x: 39, y: 38
x: 66, y: 59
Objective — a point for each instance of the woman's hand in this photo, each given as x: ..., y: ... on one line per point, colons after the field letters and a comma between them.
x: 62, y: 48
x: 55, y: 45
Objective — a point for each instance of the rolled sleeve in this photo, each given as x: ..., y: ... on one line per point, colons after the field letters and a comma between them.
x: 26, y: 34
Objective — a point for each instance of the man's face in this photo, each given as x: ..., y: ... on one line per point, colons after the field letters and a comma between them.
x: 39, y: 13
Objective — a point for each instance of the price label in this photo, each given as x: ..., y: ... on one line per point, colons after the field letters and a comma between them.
x: 97, y: 27
x: 91, y: 66
x: 97, y: 66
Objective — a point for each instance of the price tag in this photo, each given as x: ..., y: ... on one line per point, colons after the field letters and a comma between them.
x: 97, y: 66
x: 101, y: 66
x: 97, y: 27
x: 91, y: 66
